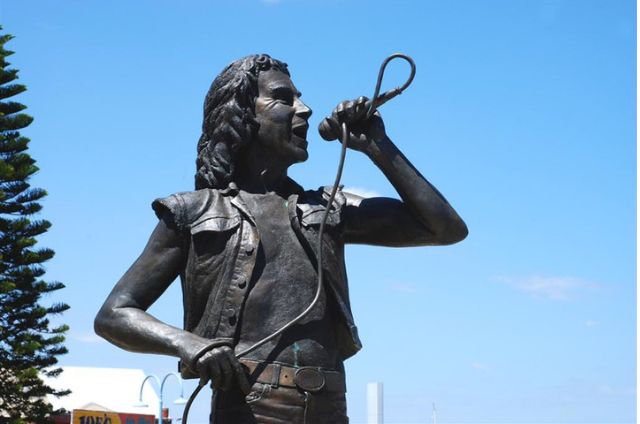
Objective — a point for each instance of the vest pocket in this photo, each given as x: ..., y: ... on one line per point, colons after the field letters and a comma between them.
x: 210, y: 237
x: 215, y: 223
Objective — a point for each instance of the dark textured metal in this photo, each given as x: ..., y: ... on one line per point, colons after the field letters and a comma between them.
x: 249, y: 244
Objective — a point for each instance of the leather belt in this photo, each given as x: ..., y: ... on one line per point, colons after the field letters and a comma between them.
x: 309, y: 379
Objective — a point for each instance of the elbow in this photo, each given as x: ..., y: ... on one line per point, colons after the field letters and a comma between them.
x: 455, y: 232
x: 103, y: 322
x: 461, y: 232
x: 451, y: 233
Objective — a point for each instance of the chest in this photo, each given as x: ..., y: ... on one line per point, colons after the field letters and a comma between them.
x: 278, y: 240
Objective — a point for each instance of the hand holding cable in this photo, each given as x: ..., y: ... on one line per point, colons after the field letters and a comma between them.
x: 222, y: 367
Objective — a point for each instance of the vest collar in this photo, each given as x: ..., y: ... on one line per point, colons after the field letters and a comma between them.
x: 290, y: 188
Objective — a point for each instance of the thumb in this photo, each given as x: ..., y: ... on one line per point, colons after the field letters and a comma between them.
x: 204, y: 379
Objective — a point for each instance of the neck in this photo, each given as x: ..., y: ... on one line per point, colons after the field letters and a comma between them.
x: 259, y: 173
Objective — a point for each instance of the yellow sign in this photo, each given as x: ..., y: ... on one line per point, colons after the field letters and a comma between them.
x: 84, y: 416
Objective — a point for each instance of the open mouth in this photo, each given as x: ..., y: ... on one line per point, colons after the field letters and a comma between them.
x: 300, y: 130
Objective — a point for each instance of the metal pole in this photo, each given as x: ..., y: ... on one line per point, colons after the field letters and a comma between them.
x: 159, y: 385
x: 162, y: 388
x: 375, y: 412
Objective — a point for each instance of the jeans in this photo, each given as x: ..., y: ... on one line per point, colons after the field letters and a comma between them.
x: 282, y: 405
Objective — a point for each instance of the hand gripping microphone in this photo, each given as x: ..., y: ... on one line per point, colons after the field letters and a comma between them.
x: 329, y: 132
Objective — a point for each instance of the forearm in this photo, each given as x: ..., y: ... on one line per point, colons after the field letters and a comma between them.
x: 138, y: 331
x: 421, y: 198
x: 123, y: 319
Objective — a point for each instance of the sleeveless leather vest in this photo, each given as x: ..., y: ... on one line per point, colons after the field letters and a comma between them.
x: 221, y: 239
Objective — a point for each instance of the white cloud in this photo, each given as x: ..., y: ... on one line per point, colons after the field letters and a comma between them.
x: 362, y: 192
x: 87, y: 338
x: 590, y: 323
x: 551, y: 288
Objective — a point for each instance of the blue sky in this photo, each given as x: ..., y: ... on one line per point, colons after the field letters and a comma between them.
x: 522, y: 113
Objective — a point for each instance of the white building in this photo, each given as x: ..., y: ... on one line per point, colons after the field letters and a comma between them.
x: 116, y: 389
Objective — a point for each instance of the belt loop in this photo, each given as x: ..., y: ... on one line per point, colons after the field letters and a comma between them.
x: 275, y: 377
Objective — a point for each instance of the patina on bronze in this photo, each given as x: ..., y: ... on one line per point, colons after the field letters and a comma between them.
x: 243, y: 244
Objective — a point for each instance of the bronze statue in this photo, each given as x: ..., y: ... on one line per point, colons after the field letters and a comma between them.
x: 243, y: 244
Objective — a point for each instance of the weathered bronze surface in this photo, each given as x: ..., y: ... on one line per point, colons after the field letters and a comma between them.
x: 243, y: 244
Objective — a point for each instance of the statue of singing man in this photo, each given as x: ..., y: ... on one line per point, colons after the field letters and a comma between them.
x: 244, y: 246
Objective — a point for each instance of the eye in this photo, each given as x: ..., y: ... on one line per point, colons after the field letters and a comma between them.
x: 283, y: 95
x: 286, y: 99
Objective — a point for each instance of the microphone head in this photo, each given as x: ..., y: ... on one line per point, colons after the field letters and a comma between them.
x: 326, y: 131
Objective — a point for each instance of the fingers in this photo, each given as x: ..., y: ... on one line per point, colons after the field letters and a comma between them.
x: 226, y: 377
x: 221, y: 366
x: 361, y: 106
x: 241, y: 377
x: 362, y: 129
x: 351, y: 111
x: 336, y: 131
x: 208, y: 368
x: 342, y: 111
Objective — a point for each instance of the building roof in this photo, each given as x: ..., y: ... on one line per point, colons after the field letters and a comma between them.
x: 116, y: 389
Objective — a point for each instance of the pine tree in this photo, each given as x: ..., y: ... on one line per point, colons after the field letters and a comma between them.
x: 29, y: 343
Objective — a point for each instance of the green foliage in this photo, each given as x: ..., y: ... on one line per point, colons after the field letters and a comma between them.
x: 29, y: 344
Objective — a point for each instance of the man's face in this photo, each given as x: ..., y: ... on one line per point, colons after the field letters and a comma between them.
x: 282, y: 117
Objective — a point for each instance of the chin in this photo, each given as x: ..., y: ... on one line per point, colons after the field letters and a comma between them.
x: 299, y: 157
x: 299, y: 152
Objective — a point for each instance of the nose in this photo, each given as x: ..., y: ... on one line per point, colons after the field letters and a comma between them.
x: 302, y: 110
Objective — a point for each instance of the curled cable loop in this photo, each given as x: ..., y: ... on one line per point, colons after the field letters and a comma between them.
x: 378, y: 100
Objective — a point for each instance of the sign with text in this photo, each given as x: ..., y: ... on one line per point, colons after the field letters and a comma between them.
x: 84, y: 416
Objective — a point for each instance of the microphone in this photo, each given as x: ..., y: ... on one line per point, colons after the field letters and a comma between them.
x: 328, y: 133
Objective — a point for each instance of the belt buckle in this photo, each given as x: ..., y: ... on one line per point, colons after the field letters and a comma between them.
x: 310, y: 379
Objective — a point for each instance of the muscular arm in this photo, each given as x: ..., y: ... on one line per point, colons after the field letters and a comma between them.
x: 423, y: 217
x: 123, y: 319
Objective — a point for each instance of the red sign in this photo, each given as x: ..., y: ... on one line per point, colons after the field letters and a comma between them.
x: 84, y: 416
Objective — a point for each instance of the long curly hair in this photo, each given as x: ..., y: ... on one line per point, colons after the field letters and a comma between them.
x: 229, y: 122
